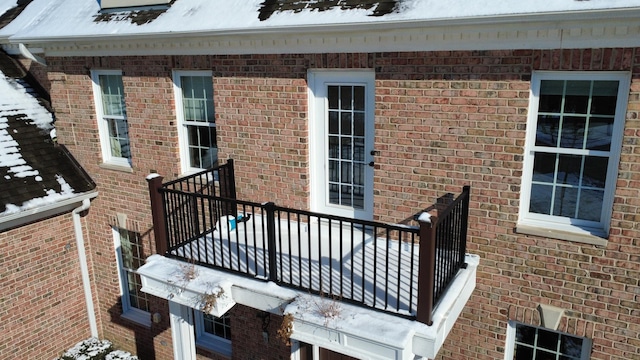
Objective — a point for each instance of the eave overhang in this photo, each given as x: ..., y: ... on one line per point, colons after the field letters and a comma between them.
x: 359, y: 332
x: 11, y: 221
x: 584, y: 29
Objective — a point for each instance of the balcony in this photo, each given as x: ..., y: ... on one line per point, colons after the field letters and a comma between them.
x: 402, y: 271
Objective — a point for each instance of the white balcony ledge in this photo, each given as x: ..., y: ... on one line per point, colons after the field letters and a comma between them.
x: 351, y: 330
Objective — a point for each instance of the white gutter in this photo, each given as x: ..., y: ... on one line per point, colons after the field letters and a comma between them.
x: 11, y: 221
x: 84, y: 268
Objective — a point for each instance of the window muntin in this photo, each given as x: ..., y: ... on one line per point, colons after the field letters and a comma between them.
x: 194, y: 92
x: 526, y: 342
x: 213, y: 333
x: 135, y: 303
x: 112, y: 117
x: 575, y: 131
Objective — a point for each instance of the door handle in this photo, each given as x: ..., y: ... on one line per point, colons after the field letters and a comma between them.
x: 371, y: 163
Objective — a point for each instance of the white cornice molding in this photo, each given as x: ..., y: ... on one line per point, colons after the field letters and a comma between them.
x: 549, y: 32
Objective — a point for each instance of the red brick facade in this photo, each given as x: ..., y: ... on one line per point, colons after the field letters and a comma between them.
x: 442, y: 120
x: 42, y: 306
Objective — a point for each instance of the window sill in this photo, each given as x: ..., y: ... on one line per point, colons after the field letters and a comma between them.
x: 561, y: 235
x: 116, y: 167
x: 139, y: 317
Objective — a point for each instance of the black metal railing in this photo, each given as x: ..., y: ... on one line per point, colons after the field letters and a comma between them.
x: 396, y: 268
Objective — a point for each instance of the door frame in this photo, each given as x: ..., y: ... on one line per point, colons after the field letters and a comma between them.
x: 317, y: 135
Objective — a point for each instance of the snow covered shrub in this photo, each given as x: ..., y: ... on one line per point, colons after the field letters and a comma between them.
x: 95, y: 349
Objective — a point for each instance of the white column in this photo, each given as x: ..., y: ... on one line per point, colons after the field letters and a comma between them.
x: 182, y: 333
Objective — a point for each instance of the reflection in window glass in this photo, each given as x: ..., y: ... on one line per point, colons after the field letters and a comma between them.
x: 574, y: 132
x: 532, y: 342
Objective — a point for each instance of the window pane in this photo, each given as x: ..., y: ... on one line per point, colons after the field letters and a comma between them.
x: 572, y: 132
x: 358, y: 197
x: 523, y: 353
x: 345, y: 123
x: 358, y: 98
x: 577, y: 97
x: 571, y: 346
x: 197, y: 98
x: 112, y: 95
x: 334, y: 147
x: 333, y: 96
x: 565, y: 202
x: 541, y: 196
x: 346, y: 98
x: 599, y: 134
x: 551, y: 95
x: 346, y: 150
x: 334, y: 172
x: 547, y: 131
x: 346, y: 196
x: 590, y: 207
x: 525, y: 334
x: 358, y: 124
x: 544, y: 167
x: 595, y: 171
x: 334, y: 125
x: 569, y: 169
x: 604, y: 98
x: 547, y: 339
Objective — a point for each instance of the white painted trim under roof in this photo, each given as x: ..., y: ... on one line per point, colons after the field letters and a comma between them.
x: 15, y: 220
x: 586, y: 29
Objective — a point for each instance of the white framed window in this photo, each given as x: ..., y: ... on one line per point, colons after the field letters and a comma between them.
x: 196, y: 119
x: 572, y: 150
x: 108, y: 92
x: 213, y: 333
x: 129, y: 256
x: 526, y: 342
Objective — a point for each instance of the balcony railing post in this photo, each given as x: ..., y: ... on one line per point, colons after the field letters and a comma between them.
x: 426, y: 269
x: 271, y: 240
x: 157, y: 214
x: 466, y: 191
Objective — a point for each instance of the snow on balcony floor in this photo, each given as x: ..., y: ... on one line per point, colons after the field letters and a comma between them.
x: 348, y: 262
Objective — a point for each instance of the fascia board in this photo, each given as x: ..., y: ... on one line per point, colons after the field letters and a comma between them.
x: 12, y: 221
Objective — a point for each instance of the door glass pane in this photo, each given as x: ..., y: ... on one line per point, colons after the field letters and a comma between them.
x: 346, y: 151
x: 343, y: 146
x: 345, y: 123
x: 346, y: 98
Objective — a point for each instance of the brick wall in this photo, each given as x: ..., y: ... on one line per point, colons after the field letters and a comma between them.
x: 443, y: 120
x: 42, y: 304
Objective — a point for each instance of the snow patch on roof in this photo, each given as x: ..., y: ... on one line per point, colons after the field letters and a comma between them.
x: 77, y: 18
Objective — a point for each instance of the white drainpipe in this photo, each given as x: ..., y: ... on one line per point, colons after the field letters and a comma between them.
x: 84, y: 268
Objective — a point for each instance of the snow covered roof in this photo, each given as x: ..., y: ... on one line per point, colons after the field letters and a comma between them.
x: 58, y: 19
x: 34, y: 171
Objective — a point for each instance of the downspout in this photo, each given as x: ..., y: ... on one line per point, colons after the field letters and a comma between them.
x: 84, y: 268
